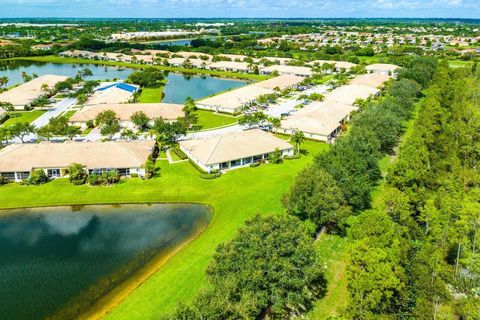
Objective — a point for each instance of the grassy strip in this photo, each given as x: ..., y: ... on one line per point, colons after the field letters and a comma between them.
x: 236, y: 197
x: 22, y: 116
x: 224, y: 74
x: 209, y: 119
x: 151, y: 95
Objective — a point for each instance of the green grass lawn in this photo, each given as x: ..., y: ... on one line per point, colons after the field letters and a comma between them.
x: 22, y: 116
x: 235, y: 197
x: 151, y: 95
x: 209, y: 119
x: 331, y: 249
x: 459, y: 63
x: 225, y: 74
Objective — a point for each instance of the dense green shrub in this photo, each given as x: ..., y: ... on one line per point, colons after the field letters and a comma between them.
x: 78, y: 174
x: 210, y: 176
x: 37, y: 178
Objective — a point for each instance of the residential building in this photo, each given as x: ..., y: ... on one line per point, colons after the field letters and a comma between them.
x: 124, y: 112
x: 234, y: 150
x: 18, y: 161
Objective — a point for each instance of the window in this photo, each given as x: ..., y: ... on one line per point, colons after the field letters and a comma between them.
x: 235, y: 163
x: 53, y: 173
x: 124, y: 172
x: 8, y: 175
x: 23, y: 175
x: 247, y: 160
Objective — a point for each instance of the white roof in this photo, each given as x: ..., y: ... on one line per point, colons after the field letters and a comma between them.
x: 111, y: 95
x: 350, y: 93
x: 282, y: 82
x: 320, y: 118
x: 281, y: 69
x: 236, y: 98
x: 382, y: 67
x: 229, y: 65
x: 31, y: 90
x: 233, y: 146
x: 374, y: 80
x: 124, y: 111
x: 94, y: 155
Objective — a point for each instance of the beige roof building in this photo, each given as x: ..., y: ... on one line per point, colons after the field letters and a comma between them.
x: 233, y: 57
x: 231, y: 150
x: 17, y: 160
x: 375, y: 80
x: 282, y: 82
x: 232, y: 101
x: 124, y: 111
x: 290, y: 70
x: 319, y: 120
x: 382, y: 68
x: 350, y: 93
x: 112, y: 95
x: 24, y: 94
x: 230, y: 66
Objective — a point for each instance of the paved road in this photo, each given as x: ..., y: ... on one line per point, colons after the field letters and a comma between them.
x: 54, y: 111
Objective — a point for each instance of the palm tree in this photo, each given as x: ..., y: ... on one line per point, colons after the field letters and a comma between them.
x: 3, y: 81
x: 297, y: 138
x: 44, y: 87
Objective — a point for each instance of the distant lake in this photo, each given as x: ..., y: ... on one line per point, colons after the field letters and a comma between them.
x: 178, y: 88
x: 180, y: 42
x: 53, y: 257
x: 13, y: 70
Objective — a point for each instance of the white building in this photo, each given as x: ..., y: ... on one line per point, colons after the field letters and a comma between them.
x: 234, y: 150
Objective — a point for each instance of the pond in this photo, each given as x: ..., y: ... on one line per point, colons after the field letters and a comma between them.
x: 13, y: 70
x: 177, y: 89
x: 58, y: 261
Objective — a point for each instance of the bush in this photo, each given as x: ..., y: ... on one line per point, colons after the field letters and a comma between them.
x: 134, y: 175
x: 78, y: 174
x: 295, y: 156
x: 179, y: 153
x: 37, y: 178
x: 255, y: 164
x: 106, y: 178
x: 3, y: 181
x: 90, y: 124
x: 197, y: 167
x: 210, y: 176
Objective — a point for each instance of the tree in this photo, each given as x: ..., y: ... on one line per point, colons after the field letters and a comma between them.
x: 6, y: 106
x: 270, y: 269
x: 3, y: 81
x: 128, y: 134
x: 108, y: 123
x: 253, y: 119
x: 140, y: 120
x: 21, y: 130
x: 376, y: 277
x: 148, y: 78
x: 77, y: 174
x: 315, y: 196
x: 169, y: 132
x: 297, y: 139
x: 44, y: 87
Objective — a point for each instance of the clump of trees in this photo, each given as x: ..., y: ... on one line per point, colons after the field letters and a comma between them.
x: 270, y: 269
x: 148, y: 78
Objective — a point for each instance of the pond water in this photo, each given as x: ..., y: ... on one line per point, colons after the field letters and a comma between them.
x: 179, y: 42
x: 13, y: 70
x: 58, y: 261
x: 179, y: 87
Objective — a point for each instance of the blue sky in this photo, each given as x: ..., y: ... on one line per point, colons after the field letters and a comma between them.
x: 240, y: 8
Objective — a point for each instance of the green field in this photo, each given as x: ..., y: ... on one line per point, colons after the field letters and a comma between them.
x: 236, y: 196
x: 459, y: 63
x: 22, y: 116
x: 225, y: 74
x: 208, y: 119
x: 151, y: 95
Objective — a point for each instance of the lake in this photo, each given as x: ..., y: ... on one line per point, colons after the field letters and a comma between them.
x: 58, y: 261
x: 178, y: 87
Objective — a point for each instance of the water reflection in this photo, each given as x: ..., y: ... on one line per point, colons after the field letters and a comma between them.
x: 50, y: 256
